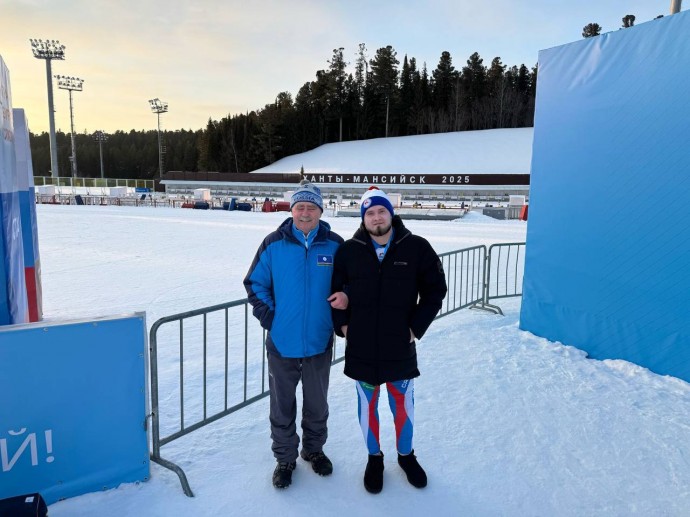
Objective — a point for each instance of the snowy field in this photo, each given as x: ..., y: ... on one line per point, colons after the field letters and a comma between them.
x: 506, y: 423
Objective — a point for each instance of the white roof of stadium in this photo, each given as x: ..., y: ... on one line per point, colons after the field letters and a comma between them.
x: 490, y: 151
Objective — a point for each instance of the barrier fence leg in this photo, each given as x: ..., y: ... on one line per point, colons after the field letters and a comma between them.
x: 484, y: 305
x: 177, y: 470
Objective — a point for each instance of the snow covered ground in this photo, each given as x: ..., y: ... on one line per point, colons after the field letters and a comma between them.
x: 506, y: 423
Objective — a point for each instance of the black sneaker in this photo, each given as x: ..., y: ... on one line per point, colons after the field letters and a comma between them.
x: 282, y: 475
x: 415, y: 473
x: 319, y: 462
x: 373, y: 474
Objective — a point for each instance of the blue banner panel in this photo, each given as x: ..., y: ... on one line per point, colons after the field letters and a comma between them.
x: 14, y: 306
x: 27, y: 209
x: 6, y: 170
x: 608, y: 237
x: 25, y: 184
x: 74, y: 406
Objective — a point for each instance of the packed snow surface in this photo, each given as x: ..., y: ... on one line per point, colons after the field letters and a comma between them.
x: 506, y: 423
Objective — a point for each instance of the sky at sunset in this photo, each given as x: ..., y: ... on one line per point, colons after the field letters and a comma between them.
x: 209, y: 59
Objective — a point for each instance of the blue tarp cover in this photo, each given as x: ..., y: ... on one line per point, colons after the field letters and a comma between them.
x: 608, y: 239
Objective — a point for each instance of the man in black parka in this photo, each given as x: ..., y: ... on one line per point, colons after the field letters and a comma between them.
x: 396, y: 286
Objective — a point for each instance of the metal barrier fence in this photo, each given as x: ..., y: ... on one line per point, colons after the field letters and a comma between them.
x: 465, y: 278
x: 106, y: 200
x: 213, y: 352
x: 67, y: 181
x: 504, y: 270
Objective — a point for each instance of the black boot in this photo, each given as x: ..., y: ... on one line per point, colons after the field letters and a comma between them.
x: 415, y: 473
x: 373, y: 474
x: 319, y: 462
x: 282, y: 475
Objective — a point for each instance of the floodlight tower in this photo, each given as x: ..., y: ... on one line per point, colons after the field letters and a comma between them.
x: 49, y: 50
x: 100, y: 137
x: 71, y: 84
x: 158, y: 107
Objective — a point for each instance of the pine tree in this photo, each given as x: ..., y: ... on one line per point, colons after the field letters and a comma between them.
x: 628, y: 21
x: 406, y: 94
x: 523, y: 80
x: 337, y: 92
x: 209, y: 150
x: 590, y: 30
x: 361, y: 69
x: 306, y: 120
x: 424, y: 117
x: 320, y: 90
x: 474, y: 88
x: 357, y: 93
x: 496, y: 86
x: 384, y: 77
x: 384, y: 68
x: 272, y: 137
x: 444, y: 79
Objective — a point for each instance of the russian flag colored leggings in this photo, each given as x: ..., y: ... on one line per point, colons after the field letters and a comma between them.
x: 401, y: 401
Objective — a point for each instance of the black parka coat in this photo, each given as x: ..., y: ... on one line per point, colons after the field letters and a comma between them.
x: 386, y: 299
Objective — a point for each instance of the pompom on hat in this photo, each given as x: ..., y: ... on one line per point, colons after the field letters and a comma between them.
x: 307, y: 192
x: 372, y: 197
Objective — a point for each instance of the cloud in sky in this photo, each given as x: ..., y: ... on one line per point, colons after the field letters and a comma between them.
x: 208, y: 59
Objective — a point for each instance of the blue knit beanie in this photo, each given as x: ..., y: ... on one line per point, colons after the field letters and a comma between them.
x: 307, y: 192
x: 372, y: 197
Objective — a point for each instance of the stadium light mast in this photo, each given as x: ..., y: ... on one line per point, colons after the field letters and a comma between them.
x: 675, y: 6
x: 100, y: 137
x: 158, y: 107
x: 71, y: 84
x: 49, y: 50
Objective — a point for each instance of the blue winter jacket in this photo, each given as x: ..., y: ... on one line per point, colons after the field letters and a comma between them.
x: 288, y: 286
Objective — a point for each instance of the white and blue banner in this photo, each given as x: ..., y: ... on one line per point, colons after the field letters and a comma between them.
x: 13, y: 300
x: 608, y: 237
x: 27, y: 209
x: 73, y: 417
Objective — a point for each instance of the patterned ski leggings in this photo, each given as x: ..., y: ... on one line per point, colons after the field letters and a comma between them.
x: 401, y: 401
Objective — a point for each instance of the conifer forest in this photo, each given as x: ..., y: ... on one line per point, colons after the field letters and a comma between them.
x: 365, y: 97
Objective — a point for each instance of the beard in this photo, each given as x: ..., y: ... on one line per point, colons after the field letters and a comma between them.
x: 379, y: 231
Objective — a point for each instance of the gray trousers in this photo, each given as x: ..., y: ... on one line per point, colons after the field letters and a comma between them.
x: 283, y: 376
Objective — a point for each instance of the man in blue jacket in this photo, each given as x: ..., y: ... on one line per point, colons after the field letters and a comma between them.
x: 289, y: 286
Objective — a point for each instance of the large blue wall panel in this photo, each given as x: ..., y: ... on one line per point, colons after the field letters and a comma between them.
x: 608, y: 241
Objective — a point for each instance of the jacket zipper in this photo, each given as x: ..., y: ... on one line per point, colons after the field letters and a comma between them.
x: 306, y: 304
x: 306, y: 291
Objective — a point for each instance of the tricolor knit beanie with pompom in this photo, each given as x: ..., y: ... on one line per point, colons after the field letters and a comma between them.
x: 372, y: 197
